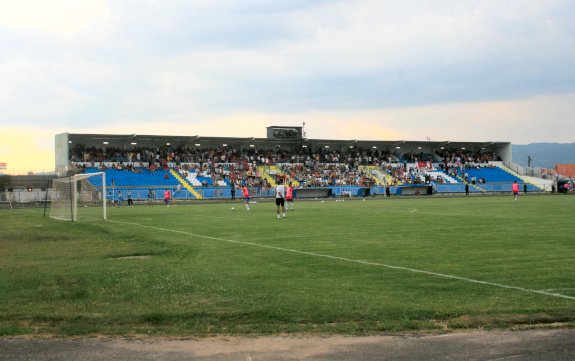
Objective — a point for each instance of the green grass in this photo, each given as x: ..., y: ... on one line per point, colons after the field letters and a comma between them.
x: 202, y: 269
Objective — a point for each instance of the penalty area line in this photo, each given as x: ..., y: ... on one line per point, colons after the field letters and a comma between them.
x: 368, y: 263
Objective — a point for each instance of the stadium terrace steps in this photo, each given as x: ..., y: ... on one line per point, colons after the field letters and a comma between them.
x: 532, y: 186
x: 185, y: 184
x: 197, y: 180
x: 278, y: 171
x: 369, y: 171
x: 477, y: 187
x: 498, y: 179
x: 193, y: 180
x: 446, y: 177
x: 287, y: 172
x: 141, y: 180
x: 389, y: 179
x: 264, y: 173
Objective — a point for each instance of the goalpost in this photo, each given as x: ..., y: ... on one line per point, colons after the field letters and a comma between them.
x: 81, y: 197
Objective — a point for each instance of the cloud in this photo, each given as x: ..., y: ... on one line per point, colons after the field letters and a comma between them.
x: 349, y: 69
x: 516, y: 121
x: 58, y: 17
x: 366, y: 54
x: 546, y: 118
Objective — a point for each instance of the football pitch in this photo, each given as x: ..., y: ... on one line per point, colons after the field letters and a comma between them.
x: 354, y: 267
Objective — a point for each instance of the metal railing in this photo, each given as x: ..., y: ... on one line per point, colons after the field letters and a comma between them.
x: 141, y: 194
x: 536, y: 172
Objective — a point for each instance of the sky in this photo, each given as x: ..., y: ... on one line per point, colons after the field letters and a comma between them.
x: 458, y: 70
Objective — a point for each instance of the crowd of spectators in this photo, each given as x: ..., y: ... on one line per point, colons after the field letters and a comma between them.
x: 309, y: 168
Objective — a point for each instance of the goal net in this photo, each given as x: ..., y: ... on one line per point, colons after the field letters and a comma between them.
x: 81, y: 197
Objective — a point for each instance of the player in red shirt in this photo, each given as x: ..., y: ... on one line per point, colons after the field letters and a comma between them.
x: 167, y: 197
x: 289, y: 197
x: 246, y: 193
x: 515, y: 188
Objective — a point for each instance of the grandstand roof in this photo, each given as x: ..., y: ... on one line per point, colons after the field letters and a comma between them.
x: 66, y: 142
x: 126, y: 141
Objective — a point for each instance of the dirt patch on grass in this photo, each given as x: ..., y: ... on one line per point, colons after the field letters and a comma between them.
x: 509, y: 322
x: 143, y: 256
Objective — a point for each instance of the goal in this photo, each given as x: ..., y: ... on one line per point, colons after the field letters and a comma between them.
x: 81, y: 197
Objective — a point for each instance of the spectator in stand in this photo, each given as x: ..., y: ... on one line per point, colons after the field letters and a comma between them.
x: 311, y: 168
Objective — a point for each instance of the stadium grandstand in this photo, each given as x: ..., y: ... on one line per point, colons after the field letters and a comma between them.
x: 197, y: 167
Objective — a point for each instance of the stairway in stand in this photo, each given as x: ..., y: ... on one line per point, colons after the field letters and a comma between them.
x: 185, y: 183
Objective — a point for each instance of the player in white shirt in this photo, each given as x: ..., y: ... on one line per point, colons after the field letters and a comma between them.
x: 280, y: 199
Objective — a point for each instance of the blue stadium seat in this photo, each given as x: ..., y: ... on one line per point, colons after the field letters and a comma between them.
x: 490, y: 174
x: 141, y: 178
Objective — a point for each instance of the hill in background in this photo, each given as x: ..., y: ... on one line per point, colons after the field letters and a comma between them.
x: 544, y: 155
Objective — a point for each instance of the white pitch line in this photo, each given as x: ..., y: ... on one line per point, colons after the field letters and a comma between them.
x: 413, y: 270
x: 558, y: 289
